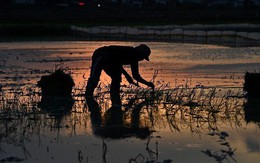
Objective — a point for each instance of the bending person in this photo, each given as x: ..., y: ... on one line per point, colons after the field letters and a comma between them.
x: 111, y: 59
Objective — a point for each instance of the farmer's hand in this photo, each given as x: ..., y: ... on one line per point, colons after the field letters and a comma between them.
x: 130, y: 80
x: 136, y: 84
x: 150, y: 84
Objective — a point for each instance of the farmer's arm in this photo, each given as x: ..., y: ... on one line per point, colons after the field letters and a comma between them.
x: 128, y: 77
x: 137, y: 76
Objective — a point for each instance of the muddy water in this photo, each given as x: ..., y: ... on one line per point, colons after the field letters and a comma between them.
x: 176, y: 63
x: 218, y: 131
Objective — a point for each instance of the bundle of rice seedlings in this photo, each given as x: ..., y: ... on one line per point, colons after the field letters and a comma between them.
x: 252, y: 84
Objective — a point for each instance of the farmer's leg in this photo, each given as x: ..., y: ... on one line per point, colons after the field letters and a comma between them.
x: 115, y: 91
x: 96, y: 69
x: 115, y: 73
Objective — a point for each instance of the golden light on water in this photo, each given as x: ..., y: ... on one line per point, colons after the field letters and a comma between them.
x: 197, y: 108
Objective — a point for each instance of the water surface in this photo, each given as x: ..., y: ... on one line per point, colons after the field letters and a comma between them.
x: 197, y: 113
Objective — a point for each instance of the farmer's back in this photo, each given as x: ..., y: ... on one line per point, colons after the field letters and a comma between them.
x: 116, y: 54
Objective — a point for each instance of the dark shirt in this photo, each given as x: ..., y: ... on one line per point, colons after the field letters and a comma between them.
x: 120, y: 55
x: 123, y: 55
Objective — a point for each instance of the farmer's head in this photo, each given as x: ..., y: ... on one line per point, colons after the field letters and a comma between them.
x: 143, y: 51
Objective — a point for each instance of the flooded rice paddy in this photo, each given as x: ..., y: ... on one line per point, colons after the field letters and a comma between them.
x: 197, y: 113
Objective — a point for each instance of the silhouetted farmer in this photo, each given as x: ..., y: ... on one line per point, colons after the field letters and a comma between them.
x: 111, y: 59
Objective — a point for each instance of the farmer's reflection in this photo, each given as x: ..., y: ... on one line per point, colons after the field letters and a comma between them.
x: 112, y: 124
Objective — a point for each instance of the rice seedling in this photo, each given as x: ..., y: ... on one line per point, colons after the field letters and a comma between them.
x: 167, y: 100
x: 199, y: 109
x: 251, y: 85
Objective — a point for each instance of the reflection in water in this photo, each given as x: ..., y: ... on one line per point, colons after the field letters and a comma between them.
x: 180, y: 110
x: 56, y: 107
x: 112, y: 125
x: 225, y: 152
